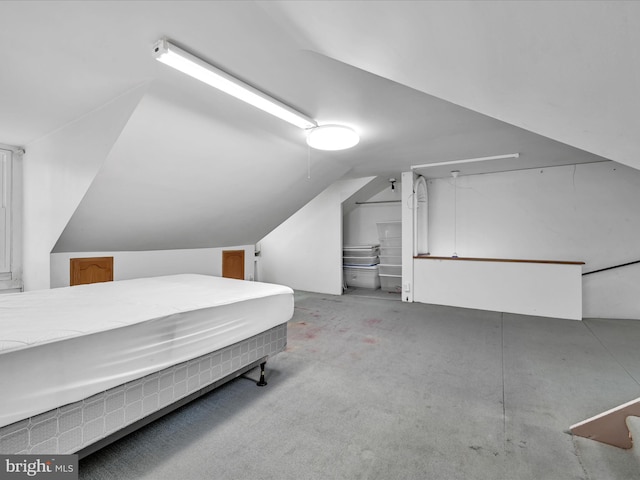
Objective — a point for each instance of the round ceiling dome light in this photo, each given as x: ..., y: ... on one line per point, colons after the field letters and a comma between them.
x: 332, y: 137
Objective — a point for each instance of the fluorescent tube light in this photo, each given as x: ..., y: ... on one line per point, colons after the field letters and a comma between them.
x: 175, y: 57
x: 468, y: 160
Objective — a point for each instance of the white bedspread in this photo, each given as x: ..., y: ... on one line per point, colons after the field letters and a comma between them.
x: 62, y: 345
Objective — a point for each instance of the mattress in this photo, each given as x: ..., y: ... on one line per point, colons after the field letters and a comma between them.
x: 84, y: 426
x: 63, y: 345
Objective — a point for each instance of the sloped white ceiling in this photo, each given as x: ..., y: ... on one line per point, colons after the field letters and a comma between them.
x: 181, y: 178
x: 61, y: 167
x: 568, y: 70
x: 195, y: 168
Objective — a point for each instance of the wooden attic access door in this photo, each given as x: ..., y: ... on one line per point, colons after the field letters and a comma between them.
x: 90, y: 270
x: 233, y: 264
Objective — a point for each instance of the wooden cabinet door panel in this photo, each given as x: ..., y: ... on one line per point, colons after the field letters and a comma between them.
x: 90, y: 270
x: 233, y: 264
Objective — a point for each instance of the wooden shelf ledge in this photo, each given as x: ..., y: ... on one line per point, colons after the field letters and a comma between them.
x: 506, y: 260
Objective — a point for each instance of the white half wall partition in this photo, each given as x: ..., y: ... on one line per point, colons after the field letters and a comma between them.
x: 579, y: 213
x: 528, y: 287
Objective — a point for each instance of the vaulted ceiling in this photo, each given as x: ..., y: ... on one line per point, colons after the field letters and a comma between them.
x: 422, y: 82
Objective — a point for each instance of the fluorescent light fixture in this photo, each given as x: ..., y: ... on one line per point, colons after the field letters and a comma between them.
x: 468, y: 160
x: 175, y: 57
x: 332, y: 137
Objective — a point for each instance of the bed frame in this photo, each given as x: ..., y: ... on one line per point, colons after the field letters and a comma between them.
x: 85, y: 426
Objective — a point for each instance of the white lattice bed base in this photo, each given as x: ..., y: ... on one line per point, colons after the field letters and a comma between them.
x: 79, y: 426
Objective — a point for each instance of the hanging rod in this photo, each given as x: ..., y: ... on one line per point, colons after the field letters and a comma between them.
x: 379, y: 201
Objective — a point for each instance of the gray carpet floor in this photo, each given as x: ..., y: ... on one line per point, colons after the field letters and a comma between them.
x: 374, y: 388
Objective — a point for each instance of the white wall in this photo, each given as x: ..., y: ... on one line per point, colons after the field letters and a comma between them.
x: 360, y: 223
x: 58, y: 170
x: 127, y: 265
x: 305, y: 252
x: 587, y: 213
x: 540, y: 289
x: 612, y: 294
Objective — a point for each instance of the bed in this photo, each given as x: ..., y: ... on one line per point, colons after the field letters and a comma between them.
x: 82, y: 366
